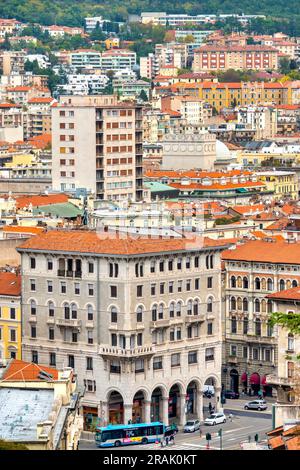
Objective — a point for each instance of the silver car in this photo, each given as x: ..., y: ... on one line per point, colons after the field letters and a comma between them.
x: 256, y: 405
x: 192, y: 425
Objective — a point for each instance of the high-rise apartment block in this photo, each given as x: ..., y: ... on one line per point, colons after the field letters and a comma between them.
x: 97, y: 145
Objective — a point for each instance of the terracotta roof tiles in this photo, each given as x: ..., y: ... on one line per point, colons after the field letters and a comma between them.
x: 19, y: 370
x: 10, y: 284
x: 263, y: 251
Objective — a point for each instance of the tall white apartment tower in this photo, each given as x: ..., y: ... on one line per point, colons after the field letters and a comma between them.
x: 97, y: 145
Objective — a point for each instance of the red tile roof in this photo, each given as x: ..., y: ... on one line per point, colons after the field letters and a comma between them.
x: 19, y: 229
x: 40, y: 100
x: 216, y: 186
x: 42, y: 200
x: 21, y: 371
x: 10, y: 284
x: 264, y: 251
x: 287, y: 294
x: 104, y: 243
x: 41, y: 141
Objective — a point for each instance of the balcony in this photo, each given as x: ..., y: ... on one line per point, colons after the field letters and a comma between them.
x: 68, y: 322
x: 162, y: 323
x: 232, y: 359
x: 195, y: 318
x: 71, y: 274
x: 89, y: 324
x: 282, y: 381
x: 111, y: 351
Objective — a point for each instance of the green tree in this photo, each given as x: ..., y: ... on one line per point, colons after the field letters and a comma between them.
x: 284, y: 65
x: 143, y: 95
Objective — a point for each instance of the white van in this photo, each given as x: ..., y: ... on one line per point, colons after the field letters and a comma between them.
x: 208, y: 391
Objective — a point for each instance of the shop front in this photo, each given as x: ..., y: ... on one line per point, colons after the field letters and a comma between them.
x: 90, y: 418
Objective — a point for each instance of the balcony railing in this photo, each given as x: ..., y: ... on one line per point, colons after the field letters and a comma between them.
x: 276, y: 380
x: 195, y: 318
x: 69, y: 322
x: 160, y: 323
x: 120, y: 352
x: 63, y: 273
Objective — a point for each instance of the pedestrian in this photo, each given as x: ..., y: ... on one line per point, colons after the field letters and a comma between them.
x: 129, y: 421
x: 200, y: 431
x: 230, y: 417
x: 210, y: 407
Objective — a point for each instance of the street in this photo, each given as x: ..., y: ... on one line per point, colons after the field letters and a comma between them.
x: 244, y: 424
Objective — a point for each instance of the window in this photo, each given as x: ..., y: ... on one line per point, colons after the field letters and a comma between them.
x: 32, y: 263
x: 171, y: 287
x: 209, y: 307
x: 113, y: 315
x: 170, y: 265
x: 90, y: 337
x: 91, y: 268
x: 63, y: 287
x: 162, y: 288
x: 281, y: 284
x: 50, y: 286
x: 270, y: 284
x: 89, y: 363
x: 161, y: 312
x: 139, y: 291
x: 33, y: 307
x: 113, y: 292
x: 192, y: 357
x: 245, y: 326
x: 90, y: 385
x: 157, y: 363
x: 179, y: 287
x: 209, y: 354
x: 189, y: 332
x: 209, y: 282
x: 172, y: 335
x: 91, y: 289
x: 139, y: 270
x: 34, y: 357
x: 196, y: 262
x: 179, y: 263
x: 189, y: 307
x: 139, y: 314
x: 139, y: 365
x: 71, y: 361
x: 209, y: 328
x: 32, y: 285
x: 188, y: 285
x: 52, y: 359
x: 140, y: 339
x: 255, y: 354
x: 178, y: 334
x: 114, y: 339
x: 74, y: 311
x: 33, y: 332
x: 197, y: 284
x: 268, y: 355
x: 233, y: 281
x: 233, y: 325
x: 245, y: 352
x: 175, y: 360
x: 171, y: 309
x: 154, y: 313
x: 12, y: 313
x: 74, y: 337
x: 178, y: 309
x: 269, y: 329
x: 258, y: 327
x: 152, y: 266
x: 188, y: 262
x: 245, y: 283
x: 290, y: 369
x: 153, y: 289
x: 233, y: 351
x: 257, y: 283
x: 291, y: 342
x: 51, y: 309
x: 257, y: 306
x: 161, y: 266
x: 77, y: 288
x: 51, y: 333
x: 115, y: 367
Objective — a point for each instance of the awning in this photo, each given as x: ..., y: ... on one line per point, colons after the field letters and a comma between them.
x: 244, y: 377
x: 254, y: 379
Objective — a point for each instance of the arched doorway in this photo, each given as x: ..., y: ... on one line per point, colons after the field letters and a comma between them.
x: 254, y: 383
x: 234, y: 380
x: 115, y: 408
x: 267, y: 389
x: 156, y: 405
x: 174, y: 403
x: 193, y: 400
x: 244, y: 381
x: 138, y: 407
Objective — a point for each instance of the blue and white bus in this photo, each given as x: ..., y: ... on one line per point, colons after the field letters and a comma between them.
x: 115, y: 435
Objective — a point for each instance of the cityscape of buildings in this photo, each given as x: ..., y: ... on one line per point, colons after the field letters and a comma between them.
x: 149, y: 231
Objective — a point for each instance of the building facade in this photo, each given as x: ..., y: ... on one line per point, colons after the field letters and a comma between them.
x: 10, y: 317
x: 253, y: 271
x: 138, y: 319
x: 97, y: 145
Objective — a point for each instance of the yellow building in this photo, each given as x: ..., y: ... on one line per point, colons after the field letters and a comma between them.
x: 282, y: 183
x: 110, y: 43
x: 270, y: 159
x: 10, y: 316
x: 224, y: 95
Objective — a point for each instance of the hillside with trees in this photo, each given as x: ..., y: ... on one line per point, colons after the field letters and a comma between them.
x: 72, y: 12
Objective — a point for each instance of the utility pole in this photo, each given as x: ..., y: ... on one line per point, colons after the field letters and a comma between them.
x: 220, y: 433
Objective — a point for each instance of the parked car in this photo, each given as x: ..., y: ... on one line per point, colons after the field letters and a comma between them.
x: 216, y: 418
x: 192, y: 425
x: 256, y: 405
x: 231, y: 394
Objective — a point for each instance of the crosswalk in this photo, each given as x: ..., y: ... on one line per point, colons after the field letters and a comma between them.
x: 183, y: 446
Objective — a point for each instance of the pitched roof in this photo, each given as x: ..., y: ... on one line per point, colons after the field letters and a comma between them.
x: 41, y: 200
x: 264, y: 251
x: 19, y: 370
x: 20, y: 229
x: 106, y: 243
x: 10, y: 284
x: 293, y: 443
x: 287, y: 294
x: 276, y: 442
